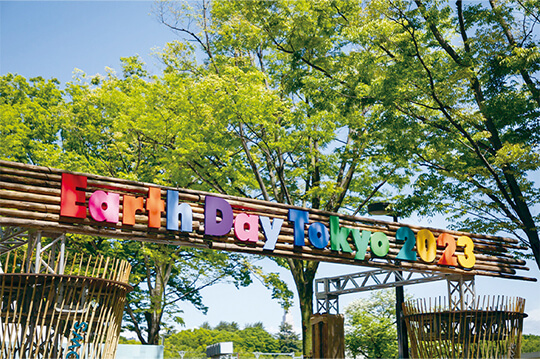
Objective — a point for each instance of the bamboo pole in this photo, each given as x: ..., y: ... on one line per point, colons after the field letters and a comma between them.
x: 484, y: 263
x: 54, y: 175
x: 306, y: 253
x: 38, y: 329
x: 29, y: 195
x: 491, y: 330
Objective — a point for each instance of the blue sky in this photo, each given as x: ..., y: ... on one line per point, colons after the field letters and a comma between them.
x: 51, y: 39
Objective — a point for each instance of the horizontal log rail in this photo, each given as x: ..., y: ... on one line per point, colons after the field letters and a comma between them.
x: 30, y: 197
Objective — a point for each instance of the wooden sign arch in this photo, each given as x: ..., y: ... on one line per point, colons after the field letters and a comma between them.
x: 62, y: 201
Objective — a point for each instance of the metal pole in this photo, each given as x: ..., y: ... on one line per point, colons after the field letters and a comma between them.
x: 38, y: 252
x: 403, y: 342
x: 403, y: 345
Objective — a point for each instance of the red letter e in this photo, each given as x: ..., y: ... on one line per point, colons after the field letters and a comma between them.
x: 70, y: 196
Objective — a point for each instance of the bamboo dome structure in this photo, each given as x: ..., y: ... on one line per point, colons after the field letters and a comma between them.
x: 490, y: 328
x: 54, y: 304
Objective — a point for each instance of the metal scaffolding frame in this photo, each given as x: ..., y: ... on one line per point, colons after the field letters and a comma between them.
x: 328, y: 290
x: 12, y: 238
x: 461, y: 292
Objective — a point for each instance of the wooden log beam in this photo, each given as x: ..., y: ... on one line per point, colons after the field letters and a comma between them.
x: 30, y: 197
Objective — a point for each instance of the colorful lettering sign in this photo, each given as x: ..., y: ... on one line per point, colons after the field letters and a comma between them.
x: 73, y: 348
x: 219, y: 220
x: 61, y: 201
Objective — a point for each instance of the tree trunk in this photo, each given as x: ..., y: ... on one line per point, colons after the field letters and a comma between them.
x: 304, y: 274
x: 153, y: 328
x: 534, y: 242
x: 154, y: 313
x: 530, y: 229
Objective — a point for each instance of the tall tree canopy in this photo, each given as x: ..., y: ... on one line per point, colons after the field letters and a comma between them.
x: 263, y: 124
x: 458, y: 83
x: 31, y: 115
x: 101, y: 125
x: 358, y: 94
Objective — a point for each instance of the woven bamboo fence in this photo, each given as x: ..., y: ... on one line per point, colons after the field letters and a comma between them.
x: 73, y: 315
x: 491, y: 330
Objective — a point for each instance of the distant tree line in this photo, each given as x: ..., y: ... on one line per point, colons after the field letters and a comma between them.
x: 253, y: 338
x: 530, y: 343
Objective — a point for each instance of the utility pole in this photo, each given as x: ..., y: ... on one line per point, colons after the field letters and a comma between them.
x: 380, y: 208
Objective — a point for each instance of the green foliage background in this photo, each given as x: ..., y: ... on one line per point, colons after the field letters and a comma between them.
x: 530, y: 343
x: 432, y: 105
x: 370, y: 326
x: 253, y: 338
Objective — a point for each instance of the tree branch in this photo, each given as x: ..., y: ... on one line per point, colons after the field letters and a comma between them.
x: 440, y: 39
x: 252, y: 163
x: 135, y: 323
x: 508, y: 33
x: 371, y: 195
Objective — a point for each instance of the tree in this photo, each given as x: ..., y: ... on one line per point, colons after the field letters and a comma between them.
x: 370, y: 326
x: 464, y: 78
x: 530, y: 343
x: 264, y: 124
x: 253, y: 338
x: 288, y: 340
x: 462, y: 108
x: 458, y: 83
x: 31, y: 116
x: 228, y: 327
x: 101, y: 135
x: 171, y: 276
x: 94, y: 126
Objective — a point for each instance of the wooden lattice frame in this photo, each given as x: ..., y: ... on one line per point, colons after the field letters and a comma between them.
x: 491, y: 330
x: 77, y: 314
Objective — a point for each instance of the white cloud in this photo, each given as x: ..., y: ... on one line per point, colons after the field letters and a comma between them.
x: 531, y: 324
